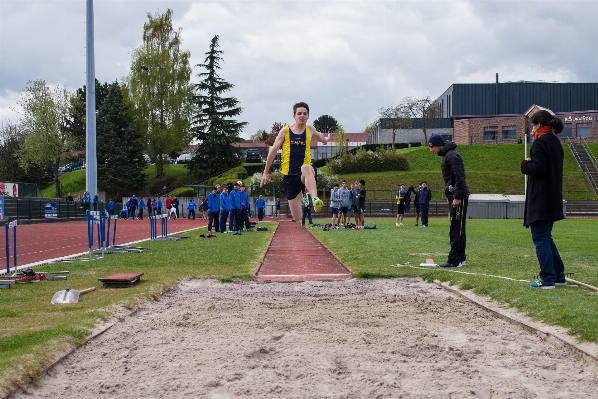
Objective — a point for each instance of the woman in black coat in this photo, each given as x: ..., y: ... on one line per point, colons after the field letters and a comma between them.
x: 544, y: 196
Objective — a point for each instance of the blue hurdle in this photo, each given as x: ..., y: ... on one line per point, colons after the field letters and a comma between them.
x: 12, y: 225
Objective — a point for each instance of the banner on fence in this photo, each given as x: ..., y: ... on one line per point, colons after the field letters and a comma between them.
x: 1, y: 207
x: 9, y: 189
x: 51, y: 210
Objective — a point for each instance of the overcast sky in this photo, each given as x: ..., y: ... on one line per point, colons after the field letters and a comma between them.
x: 344, y: 58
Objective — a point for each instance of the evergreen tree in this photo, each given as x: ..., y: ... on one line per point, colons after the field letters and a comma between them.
x: 326, y: 124
x: 213, y: 124
x: 75, y: 123
x: 119, y: 152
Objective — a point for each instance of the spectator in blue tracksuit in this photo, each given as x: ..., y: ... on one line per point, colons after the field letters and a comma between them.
x: 260, y: 204
x: 111, y: 206
x: 133, y: 206
x: 142, y: 207
x: 191, y: 208
x: 96, y: 201
x: 424, y: 198
x: 159, y: 206
x: 235, y: 218
x: 213, y: 210
x: 245, y: 209
x: 225, y: 208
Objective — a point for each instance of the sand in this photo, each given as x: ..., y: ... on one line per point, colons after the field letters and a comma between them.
x: 399, y: 338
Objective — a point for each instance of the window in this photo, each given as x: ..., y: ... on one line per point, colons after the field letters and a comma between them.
x: 584, y: 130
x: 509, y: 133
x: 490, y: 133
x: 567, y: 131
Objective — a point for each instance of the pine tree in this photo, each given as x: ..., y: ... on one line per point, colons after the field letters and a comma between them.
x: 119, y: 152
x: 213, y: 124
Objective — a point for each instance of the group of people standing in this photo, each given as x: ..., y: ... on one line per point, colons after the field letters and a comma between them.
x: 232, y: 205
x: 421, y: 202
x: 345, y: 203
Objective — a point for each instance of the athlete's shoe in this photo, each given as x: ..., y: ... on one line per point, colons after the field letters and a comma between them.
x: 318, y: 204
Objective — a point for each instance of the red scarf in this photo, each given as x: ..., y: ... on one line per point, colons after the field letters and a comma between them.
x: 542, y: 131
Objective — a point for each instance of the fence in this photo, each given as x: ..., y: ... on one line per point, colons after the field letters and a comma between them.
x: 27, y: 209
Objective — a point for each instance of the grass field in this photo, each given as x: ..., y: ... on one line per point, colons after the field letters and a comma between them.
x: 32, y: 330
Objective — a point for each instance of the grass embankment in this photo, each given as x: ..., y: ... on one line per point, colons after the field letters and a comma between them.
x: 32, y: 330
x: 490, y: 168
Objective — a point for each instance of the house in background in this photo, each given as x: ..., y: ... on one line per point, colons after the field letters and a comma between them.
x: 323, y: 151
x: 253, y: 145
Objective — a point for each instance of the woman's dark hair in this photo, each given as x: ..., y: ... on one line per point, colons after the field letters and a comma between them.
x: 545, y: 118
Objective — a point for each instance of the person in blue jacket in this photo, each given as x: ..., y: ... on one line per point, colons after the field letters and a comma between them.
x: 235, y: 219
x: 245, y: 208
x: 133, y: 206
x: 110, y: 208
x: 142, y: 207
x: 191, y: 208
x: 213, y: 210
x: 225, y: 208
x: 159, y: 206
x: 260, y: 204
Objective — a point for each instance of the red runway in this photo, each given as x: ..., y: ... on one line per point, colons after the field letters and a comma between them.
x: 46, y: 241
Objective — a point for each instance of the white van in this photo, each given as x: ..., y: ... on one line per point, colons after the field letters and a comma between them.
x: 184, y: 158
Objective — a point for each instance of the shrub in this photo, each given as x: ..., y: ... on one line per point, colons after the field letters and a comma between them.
x: 369, y: 161
x: 234, y: 174
x: 183, y: 192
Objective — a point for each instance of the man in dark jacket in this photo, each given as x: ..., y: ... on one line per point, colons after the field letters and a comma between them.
x: 544, y: 196
x: 423, y: 198
x: 457, y: 195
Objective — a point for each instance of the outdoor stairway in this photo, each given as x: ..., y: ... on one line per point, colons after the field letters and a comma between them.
x: 586, y: 161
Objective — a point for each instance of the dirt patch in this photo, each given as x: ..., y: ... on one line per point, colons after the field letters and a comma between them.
x: 344, y: 339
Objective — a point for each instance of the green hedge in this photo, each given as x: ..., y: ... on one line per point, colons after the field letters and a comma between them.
x: 369, y: 161
x: 234, y: 174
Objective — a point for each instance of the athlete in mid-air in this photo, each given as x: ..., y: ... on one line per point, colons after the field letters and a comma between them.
x: 296, y: 166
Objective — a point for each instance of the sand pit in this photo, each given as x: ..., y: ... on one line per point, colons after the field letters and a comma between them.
x: 348, y: 339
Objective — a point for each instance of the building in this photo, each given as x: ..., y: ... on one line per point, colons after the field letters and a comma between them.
x: 475, y: 113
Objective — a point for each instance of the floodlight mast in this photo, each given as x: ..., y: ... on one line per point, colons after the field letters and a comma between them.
x: 91, y: 175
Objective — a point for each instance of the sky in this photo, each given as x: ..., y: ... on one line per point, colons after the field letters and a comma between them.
x: 346, y: 59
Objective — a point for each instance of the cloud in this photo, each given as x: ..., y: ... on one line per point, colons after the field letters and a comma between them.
x: 345, y: 58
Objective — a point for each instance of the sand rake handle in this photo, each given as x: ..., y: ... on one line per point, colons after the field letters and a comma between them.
x: 582, y: 284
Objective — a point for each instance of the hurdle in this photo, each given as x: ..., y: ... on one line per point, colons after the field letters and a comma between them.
x: 12, y: 225
x: 112, y: 248
x: 154, y: 226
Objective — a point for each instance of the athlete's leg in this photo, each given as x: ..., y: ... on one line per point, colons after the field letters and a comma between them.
x: 295, y: 205
x: 308, y: 177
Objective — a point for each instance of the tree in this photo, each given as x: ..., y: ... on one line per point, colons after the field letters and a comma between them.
x: 420, y: 108
x: 11, y: 141
x: 325, y: 124
x: 160, y: 90
x: 370, y: 127
x: 75, y: 124
x: 276, y: 126
x: 213, y: 124
x: 119, y: 150
x: 45, y: 114
x: 342, y: 140
x: 394, y: 117
x: 260, y: 135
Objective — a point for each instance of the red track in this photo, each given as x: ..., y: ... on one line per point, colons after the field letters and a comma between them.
x: 39, y: 243
x: 295, y: 254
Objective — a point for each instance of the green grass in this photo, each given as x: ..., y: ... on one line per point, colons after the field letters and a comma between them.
x: 32, y: 330
x: 73, y: 182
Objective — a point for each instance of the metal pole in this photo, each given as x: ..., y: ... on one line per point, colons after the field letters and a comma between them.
x: 91, y: 175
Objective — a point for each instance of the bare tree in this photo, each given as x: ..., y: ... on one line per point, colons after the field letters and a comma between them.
x: 276, y: 126
x: 341, y: 139
x: 260, y: 135
x: 395, y: 119
x: 419, y: 108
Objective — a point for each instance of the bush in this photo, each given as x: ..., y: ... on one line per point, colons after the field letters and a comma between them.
x: 183, y: 192
x: 369, y: 161
x: 234, y: 174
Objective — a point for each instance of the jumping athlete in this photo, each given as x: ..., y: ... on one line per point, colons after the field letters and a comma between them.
x: 296, y: 168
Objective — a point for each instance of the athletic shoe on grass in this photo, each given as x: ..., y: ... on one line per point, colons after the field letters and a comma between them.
x: 318, y: 204
x: 448, y: 264
x: 563, y: 282
x: 541, y: 284
x: 462, y: 263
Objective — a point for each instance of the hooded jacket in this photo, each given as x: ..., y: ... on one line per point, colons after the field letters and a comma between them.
x: 544, y: 194
x: 453, y: 172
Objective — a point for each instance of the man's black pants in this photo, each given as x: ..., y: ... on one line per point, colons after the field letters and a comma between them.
x: 458, y: 216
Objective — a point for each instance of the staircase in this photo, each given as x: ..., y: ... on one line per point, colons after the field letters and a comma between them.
x: 586, y: 161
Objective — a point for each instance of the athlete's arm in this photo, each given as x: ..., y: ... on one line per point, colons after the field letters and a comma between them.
x: 275, y: 147
x: 319, y: 136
